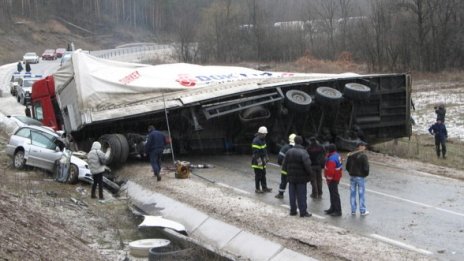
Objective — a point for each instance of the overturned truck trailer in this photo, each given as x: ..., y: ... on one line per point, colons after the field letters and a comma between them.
x: 217, y: 108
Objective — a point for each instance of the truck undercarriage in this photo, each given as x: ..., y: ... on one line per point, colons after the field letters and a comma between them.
x: 372, y: 108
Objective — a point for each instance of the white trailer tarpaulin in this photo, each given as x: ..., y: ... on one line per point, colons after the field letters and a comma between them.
x: 101, y: 83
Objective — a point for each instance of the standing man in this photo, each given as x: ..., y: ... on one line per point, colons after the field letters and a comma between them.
x: 259, y: 160
x: 28, y: 68
x: 154, y: 148
x: 357, y: 166
x: 298, y: 166
x: 97, y: 160
x: 441, y: 134
x: 333, y: 174
x: 441, y: 113
x: 317, y: 155
x: 280, y: 160
x: 19, y: 66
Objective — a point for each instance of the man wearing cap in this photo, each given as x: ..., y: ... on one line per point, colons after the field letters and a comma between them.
x: 259, y: 160
x: 441, y: 134
x: 280, y: 160
x: 357, y: 165
x: 317, y: 154
x: 298, y: 165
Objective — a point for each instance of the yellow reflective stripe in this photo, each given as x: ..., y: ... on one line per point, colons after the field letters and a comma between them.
x: 258, y: 167
x: 283, y: 172
x: 254, y: 146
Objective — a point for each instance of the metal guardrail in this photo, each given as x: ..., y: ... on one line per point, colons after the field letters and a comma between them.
x: 143, y: 48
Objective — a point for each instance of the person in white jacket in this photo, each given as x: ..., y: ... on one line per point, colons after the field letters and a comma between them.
x: 97, y: 160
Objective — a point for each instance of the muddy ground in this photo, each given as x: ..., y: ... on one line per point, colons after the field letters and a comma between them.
x: 45, y: 220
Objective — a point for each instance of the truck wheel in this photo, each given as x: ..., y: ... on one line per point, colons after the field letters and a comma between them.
x: 357, y: 91
x: 73, y: 177
x: 111, y: 141
x: 18, y: 160
x: 298, y: 101
x: 124, y: 148
x: 18, y: 99
x: 328, y: 96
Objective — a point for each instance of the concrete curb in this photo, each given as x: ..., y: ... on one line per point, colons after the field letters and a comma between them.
x: 212, y: 233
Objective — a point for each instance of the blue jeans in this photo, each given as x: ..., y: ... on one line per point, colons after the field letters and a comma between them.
x: 357, y: 183
x: 155, y: 161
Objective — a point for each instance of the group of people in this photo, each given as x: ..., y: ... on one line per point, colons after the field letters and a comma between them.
x: 300, y: 165
x: 20, y: 68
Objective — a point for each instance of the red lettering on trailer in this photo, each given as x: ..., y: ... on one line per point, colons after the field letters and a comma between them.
x: 129, y: 78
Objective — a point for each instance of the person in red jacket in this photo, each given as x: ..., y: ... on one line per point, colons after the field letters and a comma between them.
x: 333, y: 174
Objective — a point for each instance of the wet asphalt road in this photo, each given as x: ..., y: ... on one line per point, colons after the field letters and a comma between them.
x: 413, y: 210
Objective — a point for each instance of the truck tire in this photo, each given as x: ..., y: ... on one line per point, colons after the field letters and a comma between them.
x: 73, y: 177
x: 124, y: 149
x: 18, y: 161
x: 141, y: 248
x: 356, y: 91
x: 18, y: 99
x: 111, y: 141
x: 298, y: 101
x: 170, y: 253
x: 328, y: 96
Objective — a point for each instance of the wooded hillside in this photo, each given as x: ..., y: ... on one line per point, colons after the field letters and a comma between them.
x: 393, y: 35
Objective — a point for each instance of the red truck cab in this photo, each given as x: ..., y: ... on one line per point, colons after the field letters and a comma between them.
x: 44, y: 104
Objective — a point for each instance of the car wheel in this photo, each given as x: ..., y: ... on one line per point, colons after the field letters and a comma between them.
x: 19, y: 161
x: 356, y: 91
x: 298, y: 101
x: 73, y: 177
x: 328, y: 96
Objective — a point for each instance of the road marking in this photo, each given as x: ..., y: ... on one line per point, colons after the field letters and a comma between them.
x: 273, y: 164
x: 410, y: 201
x: 233, y: 188
x: 314, y: 215
x: 401, y: 244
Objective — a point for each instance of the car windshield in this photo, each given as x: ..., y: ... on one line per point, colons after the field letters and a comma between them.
x: 28, y: 121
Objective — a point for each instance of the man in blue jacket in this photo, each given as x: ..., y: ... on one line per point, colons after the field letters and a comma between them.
x: 154, y: 149
x: 441, y: 134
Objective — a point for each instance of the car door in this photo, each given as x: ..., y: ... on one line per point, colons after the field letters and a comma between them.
x: 22, y: 138
x: 43, y: 150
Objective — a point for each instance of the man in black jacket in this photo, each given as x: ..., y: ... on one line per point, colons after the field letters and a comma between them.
x: 298, y: 166
x: 317, y: 155
x: 280, y: 160
x: 357, y: 165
